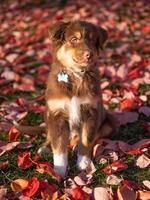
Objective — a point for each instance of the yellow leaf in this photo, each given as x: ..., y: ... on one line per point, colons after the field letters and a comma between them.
x: 18, y: 185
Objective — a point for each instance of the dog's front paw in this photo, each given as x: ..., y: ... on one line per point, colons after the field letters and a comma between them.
x: 60, y: 170
x: 83, y: 162
x: 43, y: 150
x: 60, y: 164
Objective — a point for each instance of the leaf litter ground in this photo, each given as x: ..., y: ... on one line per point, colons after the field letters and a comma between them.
x: 121, y: 163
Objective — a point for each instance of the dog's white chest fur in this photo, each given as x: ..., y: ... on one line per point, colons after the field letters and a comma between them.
x: 74, y: 110
x: 73, y: 107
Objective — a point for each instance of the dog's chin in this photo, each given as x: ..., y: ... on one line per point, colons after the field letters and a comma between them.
x: 82, y: 64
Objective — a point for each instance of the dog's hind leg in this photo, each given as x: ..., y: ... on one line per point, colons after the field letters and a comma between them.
x: 107, y: 127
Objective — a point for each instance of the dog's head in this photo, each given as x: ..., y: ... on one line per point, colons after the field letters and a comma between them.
x: 77, y: 44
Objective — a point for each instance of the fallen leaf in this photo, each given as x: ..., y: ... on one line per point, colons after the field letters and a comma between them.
x: 114, y: 156
x: 143, y: 195
x: 130, y: 184
x: 24, y: 87
x: 147, y: 184
x: 32, y: 188
x: 145, y: 110
x: 115, y: 167
x: 125, y: 193
x: 138, y: 147
x: 83, y: 179
x: 113, y: 180
x: 13, y: 134
x: 11, y: 57
x: 24, y: 160
x: 10, y: 75
x: 127, y: 104
x: 47, y: 190
x: 4, y: 165
x: 45, y: 167
x: 19, y: 184
x: 8, y: 147
x: 126, y: 117
x: 101, y: 193
x: 79, y: 194
x: 143, y: 161
x: 25, y: 145
x: 3, y: 192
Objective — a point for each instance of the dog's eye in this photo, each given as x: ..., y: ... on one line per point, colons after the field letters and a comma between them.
x: 73, y: 40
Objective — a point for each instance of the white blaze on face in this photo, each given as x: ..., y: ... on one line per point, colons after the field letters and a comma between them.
x: 65, y: 57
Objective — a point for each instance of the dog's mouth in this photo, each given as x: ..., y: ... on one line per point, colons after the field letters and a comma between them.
x: 82, y: 63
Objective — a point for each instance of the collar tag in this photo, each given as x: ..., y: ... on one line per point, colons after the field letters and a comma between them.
x: 62, y: 77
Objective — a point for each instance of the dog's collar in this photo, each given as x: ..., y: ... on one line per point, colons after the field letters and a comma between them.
x: 63, y: 76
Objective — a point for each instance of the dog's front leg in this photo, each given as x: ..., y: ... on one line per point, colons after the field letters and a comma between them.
x: 58, y: 130
x: 87, y: 138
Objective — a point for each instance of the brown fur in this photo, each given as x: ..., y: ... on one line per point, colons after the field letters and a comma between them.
x: 76, y: 47
x: 93, y: 122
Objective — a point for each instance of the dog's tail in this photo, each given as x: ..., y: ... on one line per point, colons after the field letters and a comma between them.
x: 29, y: 130
x: 108, y: 126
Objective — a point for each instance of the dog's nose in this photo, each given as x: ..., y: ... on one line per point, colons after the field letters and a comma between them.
x: 87, y: 54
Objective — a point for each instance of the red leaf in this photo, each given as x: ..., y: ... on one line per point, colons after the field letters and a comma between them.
x: 4, y: 165
x: 115, y: 167
x: 13, y: 134
x: 127, y: 104
x: 32, y: 188
x: 24, y: 160
x: 146, y: 29
x: 47, y: 190
x: 45, y: 167
x: 134, y: 152
x: 138, y: 147
x: 135, y: 73
x: 79, y: 194
x: 24, y: 87
x: 125, y: 193
x: 130, y: 184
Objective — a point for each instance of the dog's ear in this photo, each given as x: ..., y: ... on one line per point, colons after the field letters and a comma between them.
x: 102, y: 38
x: 57, y: 31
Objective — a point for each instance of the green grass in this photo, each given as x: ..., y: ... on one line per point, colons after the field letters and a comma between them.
x: 34, y: 119
x: 132, y: 132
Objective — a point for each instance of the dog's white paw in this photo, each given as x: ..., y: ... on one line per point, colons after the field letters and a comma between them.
x: 60, y: 163
x: 43, y: 150
x: 83, y: 162
x: 60, y: 170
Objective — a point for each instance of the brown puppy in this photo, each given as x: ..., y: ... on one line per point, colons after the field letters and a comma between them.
x: 73, y: 94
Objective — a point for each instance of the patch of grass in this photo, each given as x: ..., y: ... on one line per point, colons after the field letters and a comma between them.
x: 99, y: 177
x: 132, y: 132
x: 114, y: 86
x: 3, y: 136
x: 113, y: 44
x: 144, y: 118
x: 18, y: 94
x: 112, y: 106
x: 34, y: 119
x: 134, y: 173
x: 148, y: 101
x: 144, y: 88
